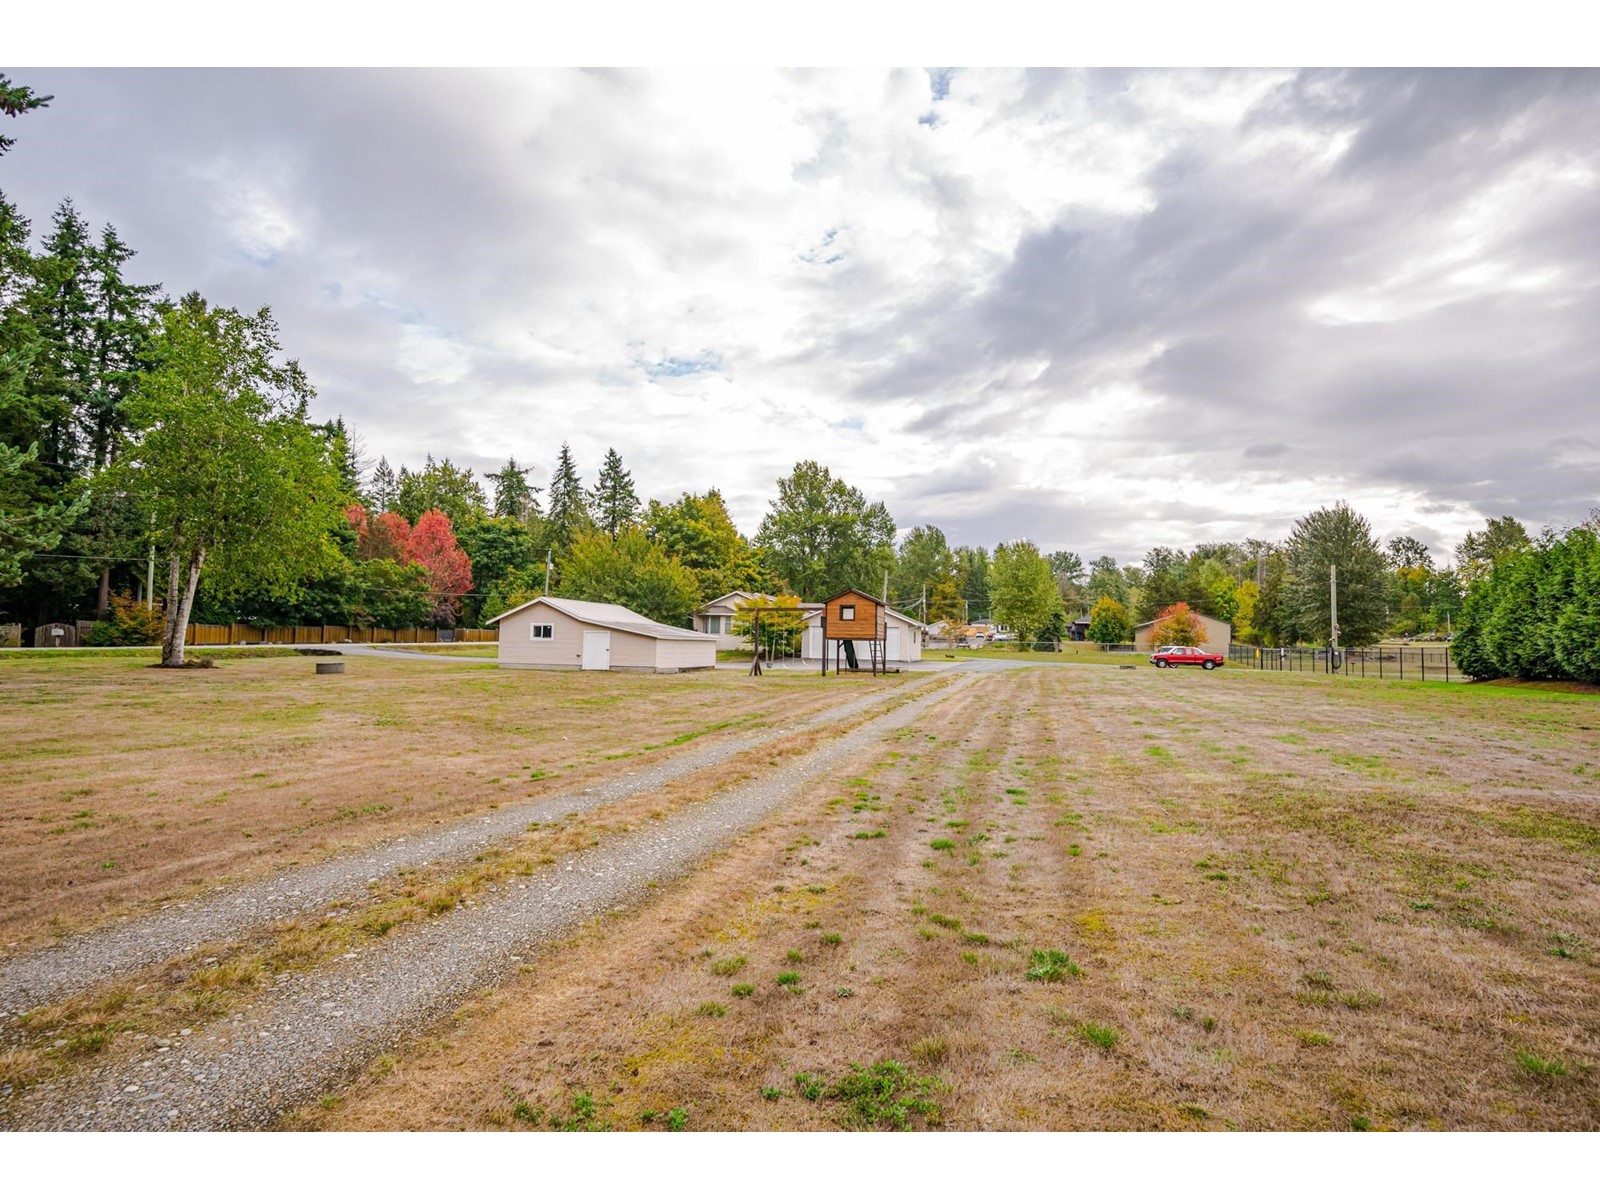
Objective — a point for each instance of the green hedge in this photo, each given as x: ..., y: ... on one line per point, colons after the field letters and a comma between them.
x: 1537, y: 616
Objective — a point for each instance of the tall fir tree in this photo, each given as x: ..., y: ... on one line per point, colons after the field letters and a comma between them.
x: 123, y: 316
x: 514, y: 496
x: 15, y: 100
x: 616, y: 504
x: 346, y: 456
x: 384, y: 487
x: 62, y: 309
x: 568, y: 517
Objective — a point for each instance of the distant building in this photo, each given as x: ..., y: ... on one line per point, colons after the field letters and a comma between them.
x: 555, y: 634
x: 1219, y: 634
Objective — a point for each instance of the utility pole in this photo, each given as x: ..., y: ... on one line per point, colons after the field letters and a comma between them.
x: 1333, y: 613
x: 150, y: 579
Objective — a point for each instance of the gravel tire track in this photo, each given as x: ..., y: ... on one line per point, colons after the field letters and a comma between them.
x: 322, y: 1025
x: 40, y: 976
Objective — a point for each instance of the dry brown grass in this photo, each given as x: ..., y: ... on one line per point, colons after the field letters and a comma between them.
x: 222, y: 977
x: 1321, y: 904
x: 127, y: 786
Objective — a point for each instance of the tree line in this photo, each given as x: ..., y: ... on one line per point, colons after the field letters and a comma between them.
x: 1535, y: 613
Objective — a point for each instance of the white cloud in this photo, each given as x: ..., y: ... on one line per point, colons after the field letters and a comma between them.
x: 1072, y: 298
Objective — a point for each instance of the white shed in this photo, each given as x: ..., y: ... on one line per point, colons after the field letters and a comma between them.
x: 556, y: 634
x: 903, y: 634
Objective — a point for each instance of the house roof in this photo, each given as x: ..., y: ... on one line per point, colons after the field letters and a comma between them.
x: 1193, y: 612
x: 735, y: 597
x: 815, y: 610
x: 610, y: 616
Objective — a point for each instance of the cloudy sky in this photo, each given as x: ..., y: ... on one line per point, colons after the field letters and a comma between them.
x: 1103, y: 310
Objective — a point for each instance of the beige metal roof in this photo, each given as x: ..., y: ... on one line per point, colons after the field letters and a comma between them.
x: 610, y: 616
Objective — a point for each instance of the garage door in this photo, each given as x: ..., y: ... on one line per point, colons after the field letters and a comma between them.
x: 813, y: 642
x: 596, y: 650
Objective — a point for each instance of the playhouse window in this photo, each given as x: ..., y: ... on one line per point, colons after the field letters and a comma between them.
x: 847, y: 612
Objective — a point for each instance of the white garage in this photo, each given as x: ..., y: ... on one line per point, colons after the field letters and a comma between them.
x: 555, y: 634
x: 902, y: 633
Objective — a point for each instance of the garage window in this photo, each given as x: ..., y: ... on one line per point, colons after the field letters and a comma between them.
x: 847, y: 612
x: 539, y: 632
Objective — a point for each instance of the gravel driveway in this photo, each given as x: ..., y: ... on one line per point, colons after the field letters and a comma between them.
x: 312, y: 1030
x: 39, y: 976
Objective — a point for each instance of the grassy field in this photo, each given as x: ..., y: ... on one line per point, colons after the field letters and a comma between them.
x: 1093, y: 899
x: 128, y: 787
x: 1063, y: 899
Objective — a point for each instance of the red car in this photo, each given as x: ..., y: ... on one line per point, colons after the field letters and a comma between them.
x: 1186, y: 656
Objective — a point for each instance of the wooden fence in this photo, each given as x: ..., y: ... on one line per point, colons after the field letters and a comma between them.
x: 317, y: 635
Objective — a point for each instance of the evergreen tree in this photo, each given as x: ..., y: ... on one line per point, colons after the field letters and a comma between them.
x: 568, y: 518
x: 122, y: 315
x: 384, y: 488
x: 616, y: 504
x: 513, y: 495
x: 14, y: 101
x: 345, y: 454
x: 62, y: 309
x: 1337, y: 537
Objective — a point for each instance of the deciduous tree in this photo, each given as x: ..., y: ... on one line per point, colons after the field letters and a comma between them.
x: 221, y: 458
x: 1177, y: 625
x: 1022, y: 589
x: 822, y: 536
x: 1108, y: 622
x: 697, y: 529
x: 433, y: 547
x: 632, y: 571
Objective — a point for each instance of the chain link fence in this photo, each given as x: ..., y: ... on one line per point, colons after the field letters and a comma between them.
x: 1367, y: 662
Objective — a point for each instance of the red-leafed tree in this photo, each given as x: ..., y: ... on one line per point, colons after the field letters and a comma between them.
x: 389, y: 537
x: 1178, y: 625
x: 357, y: 516
x: 433, y: 547
x: 386, y: 535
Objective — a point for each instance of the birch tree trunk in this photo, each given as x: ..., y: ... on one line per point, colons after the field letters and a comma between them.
x: 181, y: 629
x: 168, y: 650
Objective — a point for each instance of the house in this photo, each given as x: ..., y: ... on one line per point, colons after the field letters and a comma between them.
x: 555, y: 634
x: 716, y: 618
x: 1218, y: 635
x: 902, y: 634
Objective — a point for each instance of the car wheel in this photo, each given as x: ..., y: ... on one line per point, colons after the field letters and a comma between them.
x: 1210, y: 666
x: 1161, y: 662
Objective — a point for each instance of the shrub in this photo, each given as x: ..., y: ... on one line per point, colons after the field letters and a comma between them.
x: 127, y: 623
